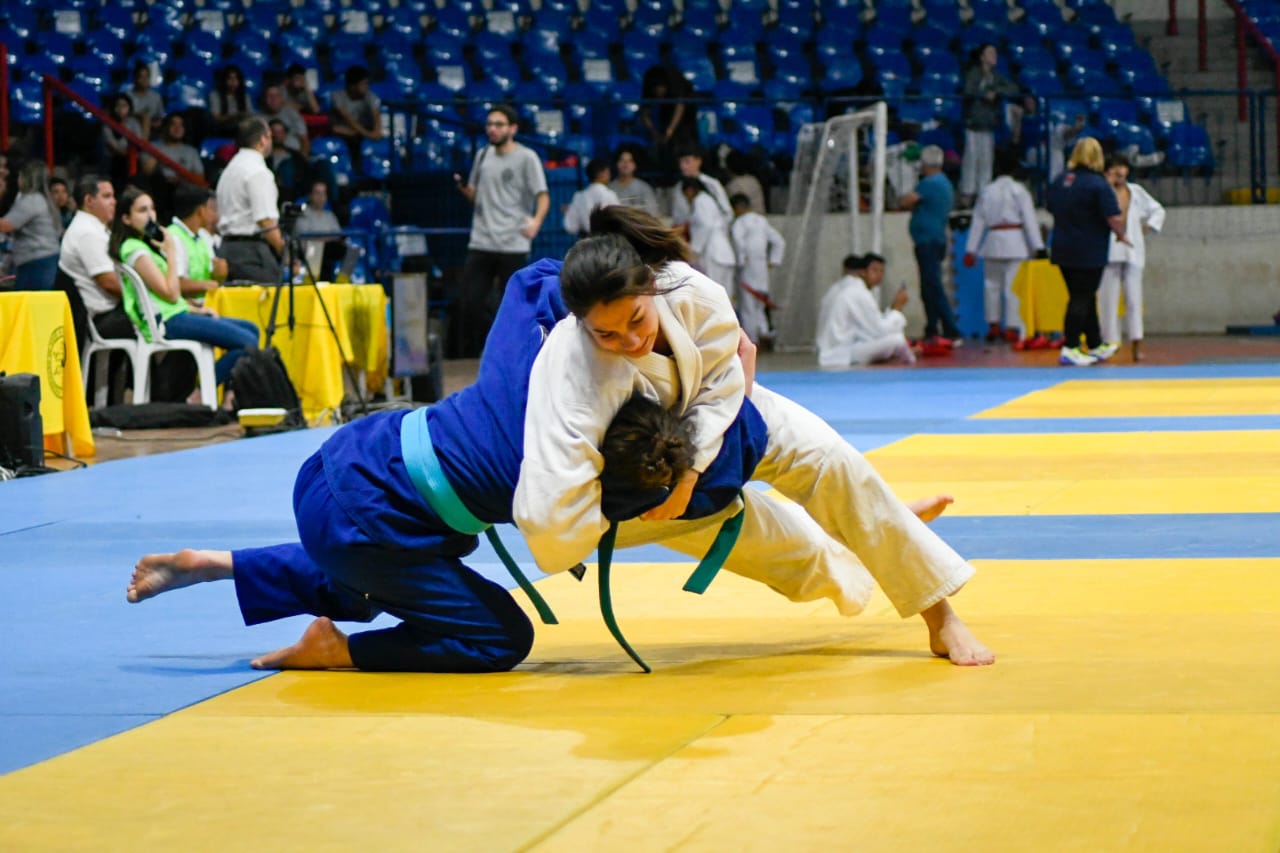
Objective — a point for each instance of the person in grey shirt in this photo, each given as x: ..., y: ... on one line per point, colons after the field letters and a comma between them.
x: 630, y: 190
x: 148, y: 106
x: 173, y: 143
x: 274, y: 107
x: 36, y: 226
x: 356, y: 112
x: 506, y: 183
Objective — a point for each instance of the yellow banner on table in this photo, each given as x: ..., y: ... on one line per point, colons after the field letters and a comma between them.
x: 37, y: 335
x: 311, y: 355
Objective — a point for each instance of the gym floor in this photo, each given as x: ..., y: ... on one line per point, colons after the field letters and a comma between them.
x: 1123, y: 520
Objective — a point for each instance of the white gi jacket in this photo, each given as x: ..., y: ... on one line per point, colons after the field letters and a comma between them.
x: 850, y: 316
x: 1004, y: 202
x: 682, y: 212
x: 577, y: 217
x: 1143, y: 210
x: 575, y: 389
x: 709, y: 233
x: 758, y: 244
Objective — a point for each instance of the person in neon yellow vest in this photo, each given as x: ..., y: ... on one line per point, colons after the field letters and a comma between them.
x: 195, y: 216
x: 149, y: 258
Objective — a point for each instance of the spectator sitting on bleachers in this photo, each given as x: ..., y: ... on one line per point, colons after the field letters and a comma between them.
x: 115, y: 147
x: 229, y: 102
x: 288, y: 165
x: 357, y: 112
x: 35, y: 224
x: 577, y: 216
x: 148, y: 106
x: 630, y: 190
x: 274, y: 107
x: 297, y: 91
x: 173, y: 143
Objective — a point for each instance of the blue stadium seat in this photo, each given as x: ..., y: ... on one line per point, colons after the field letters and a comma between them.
x: 454, y: 76
x: 601, y: 18
x: 444, y: 49
x: 640, y: 54
x: 990, y: 12
x: 783, y: 47
x: 701, y: 20
x: 700, y: 73
x: 453, y: 19
x: 333, y: 150
x: 505, y: 74
x: 26, y: 102
x: 490, y: 47
x: 1128, y: 135
x: 894, y: 16
x: 297, y: 47
x: 795, y: 17
x: 376, y: 156
x: 879, y: 42
x: 593, y: 44
x: 263, y: 19
x: 185, y: 92
x: 1112, y: 110
x: 404, y: 21
x: 434, y: 99
x: 105, y: 45
x: 686, y: 43
x: 1189, y: 147
x: 651, y: 18
x: 944, y: 14
x: 309, y: 21
x: 796, y: 71
x: 841, y: 75
x: 547, y: 70
x: 24, y: 21
x: 543, y: 38
x: 57, y: 46
x: 835, y: 42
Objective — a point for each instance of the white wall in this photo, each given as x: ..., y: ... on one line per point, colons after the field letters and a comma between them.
x: 1210, y: 268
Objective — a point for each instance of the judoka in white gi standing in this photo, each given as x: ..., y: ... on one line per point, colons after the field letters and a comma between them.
x: 852, y: 330
x: 759, y: 248
x: 1005, y: 232
x: 1123, y: 272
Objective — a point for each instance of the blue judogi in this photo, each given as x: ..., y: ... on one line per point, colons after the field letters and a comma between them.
x: 370, y: 543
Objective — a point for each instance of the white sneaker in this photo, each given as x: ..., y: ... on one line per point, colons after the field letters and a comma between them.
x: 1072, y: 355
x: 1104, y: 351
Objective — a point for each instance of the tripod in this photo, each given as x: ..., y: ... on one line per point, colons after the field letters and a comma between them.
x: 293, y: 251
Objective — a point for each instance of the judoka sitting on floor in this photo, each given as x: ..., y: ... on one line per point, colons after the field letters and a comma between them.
x: 852, y: 329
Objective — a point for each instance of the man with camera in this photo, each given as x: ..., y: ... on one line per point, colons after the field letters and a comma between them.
x: 247, y: 201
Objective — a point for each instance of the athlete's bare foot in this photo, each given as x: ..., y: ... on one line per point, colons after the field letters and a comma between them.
x: 951, y: 638
x: 157, y: 573
x: 930, y: 508
x: 322, y: 646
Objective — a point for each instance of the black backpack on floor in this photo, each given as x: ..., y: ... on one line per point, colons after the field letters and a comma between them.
x: 260, y: 381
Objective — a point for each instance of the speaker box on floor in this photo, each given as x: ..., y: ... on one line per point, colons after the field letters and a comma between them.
x: 21, y: 429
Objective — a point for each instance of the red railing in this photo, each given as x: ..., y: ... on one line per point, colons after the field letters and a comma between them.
x: 1246, y: 27
x: 53, y: 85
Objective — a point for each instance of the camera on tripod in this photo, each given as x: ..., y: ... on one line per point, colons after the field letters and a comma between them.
x: 290, y: 213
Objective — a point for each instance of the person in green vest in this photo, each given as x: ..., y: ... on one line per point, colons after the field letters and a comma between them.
x: 138, y: 242
x: 195, y: 216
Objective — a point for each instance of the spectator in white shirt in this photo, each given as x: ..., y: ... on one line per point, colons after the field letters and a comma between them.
x: 852, y: 330
x: 85, y: 261
x: 577, y: 216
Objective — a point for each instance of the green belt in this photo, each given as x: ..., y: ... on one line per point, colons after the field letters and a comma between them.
x: 429, y: 479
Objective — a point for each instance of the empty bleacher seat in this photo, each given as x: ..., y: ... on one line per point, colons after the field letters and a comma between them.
x: 333, y: 150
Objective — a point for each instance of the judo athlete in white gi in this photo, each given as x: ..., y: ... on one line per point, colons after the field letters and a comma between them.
x: 1123, y: 272
x: 595, y: 194
x: 759, y: 248
x: 379, y: 535
x: 1005, y: 232
x: 852, y: 330
x: 673, y: 337
x: 709, y: 234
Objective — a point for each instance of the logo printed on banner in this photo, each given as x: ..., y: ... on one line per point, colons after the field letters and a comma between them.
x: 56, y: 360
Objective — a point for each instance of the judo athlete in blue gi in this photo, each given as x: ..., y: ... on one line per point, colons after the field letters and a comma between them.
x: 376, y: 537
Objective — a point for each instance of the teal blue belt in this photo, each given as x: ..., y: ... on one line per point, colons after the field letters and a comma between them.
x: 429, y: 479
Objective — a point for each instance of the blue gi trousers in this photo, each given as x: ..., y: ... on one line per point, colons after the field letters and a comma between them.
x: 453, y: 620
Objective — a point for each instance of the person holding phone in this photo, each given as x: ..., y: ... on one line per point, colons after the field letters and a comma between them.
x: 852, y: 330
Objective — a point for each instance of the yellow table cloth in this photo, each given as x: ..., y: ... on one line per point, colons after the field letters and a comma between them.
x: 37, y: 335
x: 1042, y: 296
x: 310, y: 353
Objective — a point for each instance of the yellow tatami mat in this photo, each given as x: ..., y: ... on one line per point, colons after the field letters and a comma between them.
x: 1090, y: 473
x: 1133, y: 707
x: 1145, y: 398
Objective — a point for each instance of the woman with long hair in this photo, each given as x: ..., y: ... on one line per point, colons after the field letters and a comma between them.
x: 138, y: 242
x: 229, y: 102
x: 646, y: 320
x: 1085, y: 215
x: 36, y: 228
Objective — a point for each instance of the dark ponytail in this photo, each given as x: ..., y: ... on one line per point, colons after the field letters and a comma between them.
x: 655, y: 242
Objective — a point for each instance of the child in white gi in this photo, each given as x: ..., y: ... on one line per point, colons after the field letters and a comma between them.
x: 759, y: 248
x: 1123, y: 271
x: 709, y: 234
x: 1006, y: 231
x: 595, y: 194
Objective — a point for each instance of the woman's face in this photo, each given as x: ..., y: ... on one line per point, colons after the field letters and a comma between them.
x: 122, y: 108
x: 627, y: 325
x: 142, y: 212
x: 233, y: 80
x: 626, y: 165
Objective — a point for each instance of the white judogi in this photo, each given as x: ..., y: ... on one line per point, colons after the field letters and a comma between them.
x: 1005, y: 227
x: 577, y: 217
x: 758, y: 246
x: 709, y: 239
x: 1124, y: 268
x: 852, y: 330
x: 575, y: 389
x: 682, y: 211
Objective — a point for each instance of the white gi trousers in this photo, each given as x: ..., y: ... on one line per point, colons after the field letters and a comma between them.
x: 997, y: 281
x: 1116, y: 277
x: 887, y: 348
x: 751, y: 314
x: 978, y: 161
x: 723, y: 275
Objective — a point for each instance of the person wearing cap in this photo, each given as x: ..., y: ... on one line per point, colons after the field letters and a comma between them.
x: 930, y: 205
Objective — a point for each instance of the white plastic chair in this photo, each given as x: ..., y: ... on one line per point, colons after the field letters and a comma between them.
x: 141, y: 351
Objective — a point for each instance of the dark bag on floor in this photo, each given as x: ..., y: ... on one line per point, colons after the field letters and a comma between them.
x: 157, y: 416
x: 260, y: 381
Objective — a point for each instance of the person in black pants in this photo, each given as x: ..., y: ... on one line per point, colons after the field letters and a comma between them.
x: 1085, y: 214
